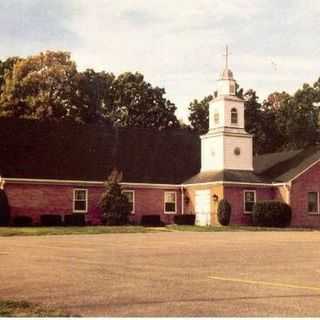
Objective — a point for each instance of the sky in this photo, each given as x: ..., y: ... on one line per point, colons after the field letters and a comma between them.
x: 178, y: 45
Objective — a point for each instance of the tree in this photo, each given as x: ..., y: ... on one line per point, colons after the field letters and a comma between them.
x: 40, y: 87
x: 297, y: 117
x: 94, y: 95
x: 4, y: 208
x: 5, y: 67
x: 260, y: 121
x: 114, y: 203
x: 224, y: 212
x: 199, y: 114
x: 137, y: 104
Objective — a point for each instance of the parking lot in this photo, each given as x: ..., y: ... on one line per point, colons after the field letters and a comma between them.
x: 166, y: 274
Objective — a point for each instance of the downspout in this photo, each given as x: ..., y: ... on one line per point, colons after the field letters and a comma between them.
x: 182, y: 200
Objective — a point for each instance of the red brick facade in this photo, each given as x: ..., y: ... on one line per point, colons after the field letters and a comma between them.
x: 34, y: 199
x: 235, y: 195
x: 307, y: 182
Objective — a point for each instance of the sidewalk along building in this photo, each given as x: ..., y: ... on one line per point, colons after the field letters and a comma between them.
x: 60, y: 168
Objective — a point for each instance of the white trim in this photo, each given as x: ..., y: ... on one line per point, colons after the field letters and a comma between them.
x: 234, y: 182
x: 151, y: 185
x: 93, y: 183
x: 74, y: 200
x: 53, y: 181
x: 133, y: 199
x: 303, y: 171
x: 182, y: 200
x: 175, y: 202
x: 313, y: 213
x: 244, y: 200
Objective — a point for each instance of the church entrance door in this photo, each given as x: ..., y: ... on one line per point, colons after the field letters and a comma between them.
x: 202, y: 207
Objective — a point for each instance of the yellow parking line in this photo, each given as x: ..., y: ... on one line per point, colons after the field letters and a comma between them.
x: 264, y: 283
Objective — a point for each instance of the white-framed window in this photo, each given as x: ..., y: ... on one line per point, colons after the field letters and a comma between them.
x: 234, y: 116
x: 249, y: 199
x: 80, y: 200
x: 170, y: 202
x: 131, y: 198
x: 313, y: 202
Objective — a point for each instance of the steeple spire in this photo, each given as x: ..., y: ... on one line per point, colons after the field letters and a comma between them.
x: 227, y: 57
x: 226, y: 73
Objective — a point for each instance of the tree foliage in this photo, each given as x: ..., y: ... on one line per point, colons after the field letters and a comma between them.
x: 199, y: 114
x: 114, y: 203
x: 4, y: 208
x: 48, y: 86
x: 224, y: 212
x: 280, y: 122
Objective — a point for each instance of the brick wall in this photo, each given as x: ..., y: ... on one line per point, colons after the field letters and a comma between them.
x: 307, y: 182
x: 235, y: 195
x: 37, y: 199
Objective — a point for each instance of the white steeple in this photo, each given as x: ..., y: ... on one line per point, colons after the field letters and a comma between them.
x: 226, y: 83
x: 227, y: 145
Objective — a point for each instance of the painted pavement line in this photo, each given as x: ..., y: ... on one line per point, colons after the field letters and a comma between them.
x: 265, y: 283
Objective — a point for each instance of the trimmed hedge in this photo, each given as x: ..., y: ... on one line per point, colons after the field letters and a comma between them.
x: 151, y: 221
x: 271, y: 214
x: 185, y: 219
x: 4, y: 209
x: 74, y: 220
x: 51, y: 220
x: 224, y: 212
x: 22, y: 221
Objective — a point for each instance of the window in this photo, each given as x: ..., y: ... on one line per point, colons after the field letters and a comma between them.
x: 249, y: 201
x: 216, y: 118
x: 130, y: 195
x: 313, y: 199
x: 170, y: 199
x: 80, y: 200
x: 234, y: 116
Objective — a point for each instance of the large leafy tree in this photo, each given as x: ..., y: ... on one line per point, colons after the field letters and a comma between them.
x: 297, y: 117
x: 95, y: 94
x: 40, y: 87
x: 199, y: 114
x: 135, y: 103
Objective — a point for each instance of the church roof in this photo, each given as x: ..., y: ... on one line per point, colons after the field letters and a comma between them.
x: 285, y: 166
x: 67, y: 151
x: 268, y: 168
x: 242, y: 176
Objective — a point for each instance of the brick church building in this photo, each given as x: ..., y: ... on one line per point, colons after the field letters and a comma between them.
x: 56, y: 169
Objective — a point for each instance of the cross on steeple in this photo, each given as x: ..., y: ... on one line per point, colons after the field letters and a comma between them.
x: 227, y: 57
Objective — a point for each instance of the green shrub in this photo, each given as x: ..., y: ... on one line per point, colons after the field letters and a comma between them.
x: 4, y: 209
x: 151, y: 220
x: 224, y: 212
x: 185, y: 219
x: 114, y: 203
x: 271, y: 214
x: 76, y: 219
x: 22, y: 221
x: 50, y: 220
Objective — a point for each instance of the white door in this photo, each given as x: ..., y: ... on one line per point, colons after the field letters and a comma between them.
x: 202, y: 207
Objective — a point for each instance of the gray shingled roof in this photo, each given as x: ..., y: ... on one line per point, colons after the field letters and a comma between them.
x: 226, y: 175
x: 284, y: 166
x: 268, y: 168
x: 66, y: 151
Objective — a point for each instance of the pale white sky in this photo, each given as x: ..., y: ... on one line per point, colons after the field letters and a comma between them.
x: 177, y: 45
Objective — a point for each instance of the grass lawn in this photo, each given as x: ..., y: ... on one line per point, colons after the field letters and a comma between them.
x: 26, y: 309
x: 231, y: 228
x: 44, y: 231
